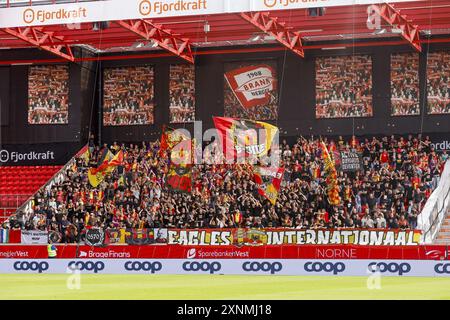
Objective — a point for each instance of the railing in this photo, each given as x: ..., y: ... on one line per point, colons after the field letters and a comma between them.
x: 57, y: 178
x: 436, y: 208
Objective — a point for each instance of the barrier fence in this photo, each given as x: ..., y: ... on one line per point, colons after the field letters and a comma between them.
x: 436, y: 208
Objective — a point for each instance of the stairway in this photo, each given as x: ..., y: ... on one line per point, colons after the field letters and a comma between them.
x: 443, y: 236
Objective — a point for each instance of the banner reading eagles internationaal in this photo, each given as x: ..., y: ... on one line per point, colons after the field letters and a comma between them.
x: 97, y: 175
x: 252, y: 85
x: 243, y: 138
x: 260, y: 237
x: 269, y: 180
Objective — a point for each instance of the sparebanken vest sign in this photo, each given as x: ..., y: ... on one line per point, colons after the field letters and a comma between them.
x: 111, y: 10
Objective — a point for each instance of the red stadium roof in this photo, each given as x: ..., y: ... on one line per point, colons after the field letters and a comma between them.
x: 421, y: 22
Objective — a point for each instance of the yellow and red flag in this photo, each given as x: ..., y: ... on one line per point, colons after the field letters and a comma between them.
x: 269, y: 181
x: 242, y: 138
x: 330, y: 176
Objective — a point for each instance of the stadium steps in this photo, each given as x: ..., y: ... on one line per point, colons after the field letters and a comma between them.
x: 444, y: 233
x: 20, y: 183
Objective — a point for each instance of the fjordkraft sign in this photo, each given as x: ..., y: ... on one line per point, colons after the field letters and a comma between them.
x: 111, y: 10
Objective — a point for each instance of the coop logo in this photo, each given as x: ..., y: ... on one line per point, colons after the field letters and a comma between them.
x: 205, y: 266
x: 147, y: 7
x: 70, y: 14
x: 28, y: 16
x: 152, y: 267
x: 265, y: 266
x: 86, y: 266
x: 393, y: 267
x: 31, y: 266
x: 442, y: 268
x: 335, y: 268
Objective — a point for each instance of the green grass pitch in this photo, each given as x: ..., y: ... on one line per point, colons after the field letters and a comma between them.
x: 191, y: 287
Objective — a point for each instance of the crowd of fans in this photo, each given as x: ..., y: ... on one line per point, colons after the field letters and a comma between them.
x: 398, y: 176
x: 128, y: 96
x: 438, y: 75
x: 182, y: 93
x: 48, y: 95
x: 405, y: 84
x: 343, y: 87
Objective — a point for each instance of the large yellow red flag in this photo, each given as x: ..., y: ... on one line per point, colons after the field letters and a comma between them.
x: 331, y: 177
x: 97, y: 175
x: 242, y: 138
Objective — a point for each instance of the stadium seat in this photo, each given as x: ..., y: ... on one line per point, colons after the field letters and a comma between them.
x: 19, y: 183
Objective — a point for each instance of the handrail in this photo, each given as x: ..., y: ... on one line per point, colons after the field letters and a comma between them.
x: 436, y: 207
x: 61, y: 174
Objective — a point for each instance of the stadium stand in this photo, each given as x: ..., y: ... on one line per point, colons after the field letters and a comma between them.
x: 398, y: 175
x: 20, y: 183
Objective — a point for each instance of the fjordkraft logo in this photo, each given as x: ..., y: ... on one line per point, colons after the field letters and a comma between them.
x: 270, y: 3
x: 29, y: 16
x: 4, y: 156
x: 145, y: 7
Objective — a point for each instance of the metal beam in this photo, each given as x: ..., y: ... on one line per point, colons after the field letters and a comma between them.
x: 167, y: 40
x: 44, y: 40
x: 271, y: 26
x: 392, y: 16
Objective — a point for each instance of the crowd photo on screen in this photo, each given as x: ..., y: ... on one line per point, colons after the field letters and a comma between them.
x: 128, y: 96
x: 48, y: 94
x: 405, y: 84
x: 397, y: 175
x: 237, y: 108
x: 182, y: 93
x: 344, y: 86
x: 438, y: 76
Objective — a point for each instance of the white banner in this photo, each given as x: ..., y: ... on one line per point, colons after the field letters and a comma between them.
x: 111, y: 10
x: 401, y: 268
x: 34, y: 237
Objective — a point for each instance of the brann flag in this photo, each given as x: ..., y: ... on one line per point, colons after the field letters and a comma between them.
x: 252, y: 85
x: 97, y: 175
x: 269, y: 181
x: 243, y: 138
x: 331, y: 177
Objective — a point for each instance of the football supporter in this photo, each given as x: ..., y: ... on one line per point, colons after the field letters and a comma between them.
x: 397, y: 176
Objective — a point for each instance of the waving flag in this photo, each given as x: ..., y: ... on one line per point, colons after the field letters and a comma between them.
x: 243, y: 138
x: 84, y: 154
x: 97, y: 175
x: 269, y: 181
x: 331, y: 177
x: 252, y: 85
x: 170, y: 138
